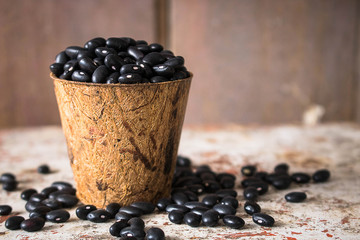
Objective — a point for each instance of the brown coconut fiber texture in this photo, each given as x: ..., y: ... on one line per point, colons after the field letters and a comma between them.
x: 122, y: 139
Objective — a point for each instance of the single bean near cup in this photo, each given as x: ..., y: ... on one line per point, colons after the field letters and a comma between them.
x: 118, y: 61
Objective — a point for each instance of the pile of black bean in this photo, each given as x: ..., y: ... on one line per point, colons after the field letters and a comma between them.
x: 8, y: 181
x: 119, y: 60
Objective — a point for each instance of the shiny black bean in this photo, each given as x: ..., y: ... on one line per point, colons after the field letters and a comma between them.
x: 5, y: 177
x: 100, y: 74
x: 98, y: 216
x: 52, y: 203
x: 146, y: 207
x: 116, y: 228
x: 42, y: 210
x: 182, y: 172
x: 113, y: 209
x: 199, y: 210
x: 321, y: 176
x: 135, y: 53
x: 263, y: 219
x: 54, y: 195
x: 82, y: 211
x: 123, y: 216
x: 57, y: 69
x: 167, y: 52
x: 231, y: 201
x: 182, y: 161
x: 80, y: 76
x: 141, y: 42
x: 43, y: 169
x: 153, y: 58
x: 143, y: 48
x: 208, y: 176
x: 155, y: 234
x: 163, y: 70
x: 13, y: 223
x: 281, y: 168
x: 300, y: 177
x: 250, y: 193
x: 172, y: 207
x: 282, y: 182
x: 123, y: 54
x: 94, y: 43
x: 98, y: 61
x: 136, y: 222
x: 179, y: 198
x: 113, y: 78
x: 211, y: 186
x: 71, y: 65
x: 102, y: 52
x: 261, y: 175
x: 66, y: 74
x: 167, y: 56
x: 85, y: 53
x: 227, y: 182
x: 220, y: 176
x: 175, y: 62
x: 61, y: 58
x: 146, y: 69
x: 261, y: 187
x: 116, y: 43
x: 233, y: 221
x: 114, y: 62
x: 73, y: 51
x: 155, y: 47
x: 192, y: 219
x: 129, y: 60
x: 210, y: 218
x: 30, y: 205
x: 211, y: 199
x: 32, y: 224
x: 191, y: 195
x: 10, y: 185
x: 250, y: 180
x: 251, y: 207
x: 224, y: 209
x: 131, y: 68
x: 295, y: 197
x: 129, y: 41
x: 87, y: 64
x: 61, y: 185
x: 226, y: 192
x: 176, y: 216
x: 179, y: 75
x: 36, y: 215
x: 130, y: 78
x: 5, y: 210
x: 67, y: 200
x: 37, y: 197
x: 163, y: 203
x: 187, y: 180
x: 138, y: 233
x: 248, y: 170
x: 46, y: 191
x: 58, y: 216
x: 133, y: 211
x: 26, y: 194
x: 194, y: 204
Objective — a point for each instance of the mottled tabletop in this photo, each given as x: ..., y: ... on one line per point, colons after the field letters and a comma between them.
x: 331, y: 211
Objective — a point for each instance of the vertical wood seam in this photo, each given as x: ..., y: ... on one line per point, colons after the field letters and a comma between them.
x: 161, y: 22
x: 356, y: 91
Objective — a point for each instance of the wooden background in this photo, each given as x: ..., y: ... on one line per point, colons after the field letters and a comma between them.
x: 254, y: 61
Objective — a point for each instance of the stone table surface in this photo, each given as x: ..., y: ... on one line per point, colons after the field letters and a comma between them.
x: 331, y: 211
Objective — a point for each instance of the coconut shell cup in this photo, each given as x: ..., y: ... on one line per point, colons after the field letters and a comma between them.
x: 122, y: 139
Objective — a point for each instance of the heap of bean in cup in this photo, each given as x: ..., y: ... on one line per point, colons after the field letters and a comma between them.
x: 119, y: 60
x: 199, y: 197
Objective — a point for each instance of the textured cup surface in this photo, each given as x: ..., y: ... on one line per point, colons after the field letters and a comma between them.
x: 122, y: 139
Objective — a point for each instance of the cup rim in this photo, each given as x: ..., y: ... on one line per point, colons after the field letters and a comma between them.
x: 52, y: 75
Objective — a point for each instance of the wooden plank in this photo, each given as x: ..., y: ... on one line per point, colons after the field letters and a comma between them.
x: 266, y: 61
x: 34, y: 31
x: 357, y: 64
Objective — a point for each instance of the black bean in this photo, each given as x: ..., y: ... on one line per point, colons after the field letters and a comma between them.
x: 263, y: 219
x: 226, y: 192
x: 250, y: 193
x: 143, y: 48
x: 73, y: 51
x: 282, y: 182
x: 123, y: 54
x: 5, y: 210
x: 36, y: 214
x: 61, y: 185
x: 113, y: 78
x: 167, y: 52
x: 13, y: 223
x: 211, y: 186
x: 250, y: 180
x: 220, y: 176
x: 116, y: 43
x: 187, y: 180
x: 40, y: 212
x: 227, y: 182
x: 37, y: 197
x: 321, y: 175
x: 134, y: 211
x: 146, y: 69
x: 94, y: 43
x: 130, y: 78
x: 179, y: 198
x: 163, y: 203
x: 194, y: 204
x: 67, y: 200
x: 191, y: 195
x: 30, y: 205
x: 182, y: 161
x: 85, y: 53
x: 136, y: 222
x: 26, y: 194
x: 129, y: 41
x: 261, y: 175
x: 116, y: 228
x: 146, y: 207
x: 71, y: 65
x: 174, y: 62
x: 87, y: 64
x: 58, y: 216
x: 295, y: 197
x: 54, y: 195
x: 129, y: 60
x: 135, y: 53
x: 155, y: 47
x: 196, y: 188
x: 82, y: 211
x: 192, y: 219
x: 10, y: 185
x: 98, y: 61
x: 210, y: 218
x: 300, y: 177
x: 269, y: 178
x: 261, y: 187
x: 32, y: 224
x: 251, y: 207
x: 281, y: 168
x: 57, y: 69
x: 234, y: 222
x: 182, y: 172
x: 211, y: 199
x: 138, y: 233
x: 224, y: 209
x: 100, y: 74
x: 131, y: 68
x: 199, y: 210
x: 140, y: 42
x: 123, y: 216
x: 153, y: 58
x: 114, y: 62
x: 163, y: 70
x: 155, y: 234
x: 248, y: 170
x: 172, y: 207
x: 46, y: 191
x: 113, y: 209
x: 208, y: 176
x: 52, y: 203
x: 231, y: 201
x: 176, y: 216
x: 98, y: 216
x: 102, y: 52
x: 61, y: 58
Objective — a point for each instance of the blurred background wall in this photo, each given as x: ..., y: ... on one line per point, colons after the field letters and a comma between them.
x: 256, y: 61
